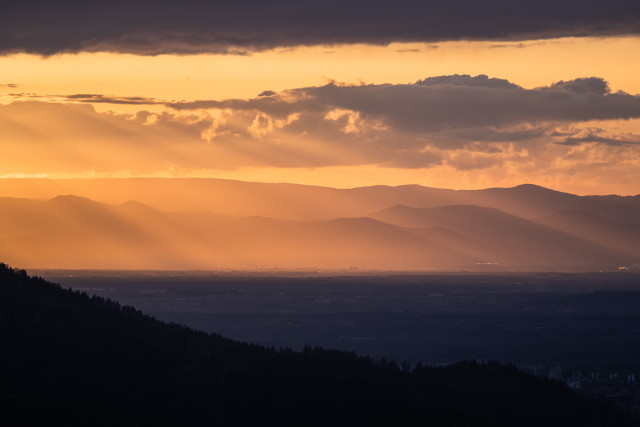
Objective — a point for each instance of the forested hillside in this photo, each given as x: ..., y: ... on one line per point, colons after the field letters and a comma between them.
x: 68, y: 357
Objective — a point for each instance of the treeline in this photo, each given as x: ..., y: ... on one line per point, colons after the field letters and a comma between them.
x: 66, y: 357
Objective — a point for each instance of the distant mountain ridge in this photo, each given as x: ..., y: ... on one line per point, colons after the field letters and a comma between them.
x: 305, y: 202
x: 76, y: 232
x: 633, y: 200
x: 605, y: 231
x: 506, y: 239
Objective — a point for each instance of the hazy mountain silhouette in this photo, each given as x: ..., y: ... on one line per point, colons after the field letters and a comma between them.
x: 622, y: 236
x: 304, y: 202
x: 505, y: 239
x: 531, y: 201
x: 71, y: 359
x: 631, y: 200
x: 75, y: 232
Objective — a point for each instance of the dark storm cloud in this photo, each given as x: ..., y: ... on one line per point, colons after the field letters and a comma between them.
x: 187, y: 26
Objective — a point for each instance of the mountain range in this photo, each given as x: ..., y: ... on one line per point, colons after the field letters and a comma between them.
x: 149, y: 223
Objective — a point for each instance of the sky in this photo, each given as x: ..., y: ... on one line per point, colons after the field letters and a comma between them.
x: 460, y: 95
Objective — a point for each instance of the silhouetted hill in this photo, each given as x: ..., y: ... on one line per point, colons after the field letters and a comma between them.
x: 622, y: 236
x: 306, y: 202
x: 57, y: 234
x: 80, y: 231
x: 531, y: 201
x: 631, y: 200
x: 70, y: 359
x: 495, y: 236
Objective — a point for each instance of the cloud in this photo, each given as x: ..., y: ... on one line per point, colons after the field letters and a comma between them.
x: 519, y: 45
x: 89, y: 98
x: 447, y: 112
x: 266, y: 93
x: 600, y: 136
x: 463, y: 123
x: 594, y: 85
x: 445, y: 104
x: 104, y: 99
x: 194, y: 26
x: 467, y: 81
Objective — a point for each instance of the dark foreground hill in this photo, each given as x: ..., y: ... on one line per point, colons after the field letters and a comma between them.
x: 73, y: 359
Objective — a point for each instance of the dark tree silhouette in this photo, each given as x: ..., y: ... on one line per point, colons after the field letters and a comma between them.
x: 66, y: 357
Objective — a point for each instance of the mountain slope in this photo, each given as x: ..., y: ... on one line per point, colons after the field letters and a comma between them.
x: 531, y: 201
x: 305, y: 202
x: 504, y: 238
x: 631, y: 200
x: 74, y: 232
x: 624, y: 237
x: 81, y: 232
x: 77, y: 360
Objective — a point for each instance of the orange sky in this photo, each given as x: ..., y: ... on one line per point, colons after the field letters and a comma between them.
x: 335, y: 137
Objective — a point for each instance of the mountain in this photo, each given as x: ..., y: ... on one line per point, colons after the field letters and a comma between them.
x: 622, y: 236
x: 531, y: 201
x: 631, y: 200
x: 71, y: 359
x: 508, y: 240
x: 305, y: 202
x: 75, y: 232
